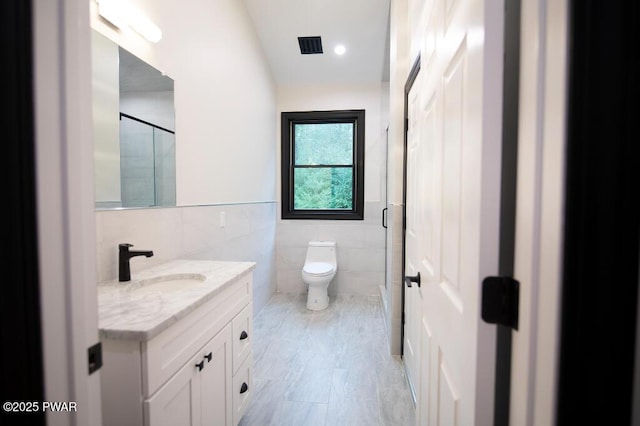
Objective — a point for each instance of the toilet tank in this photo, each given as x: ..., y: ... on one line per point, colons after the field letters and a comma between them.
x: 322, y: 251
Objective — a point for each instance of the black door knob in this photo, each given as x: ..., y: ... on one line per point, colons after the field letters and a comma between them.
x: 244, y: 388
x: 408, y: 279
x: 200, y: 365
x: 209, y: 356
x: 243, y: 335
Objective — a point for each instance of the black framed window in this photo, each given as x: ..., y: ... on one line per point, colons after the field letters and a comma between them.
x: 323, y: 165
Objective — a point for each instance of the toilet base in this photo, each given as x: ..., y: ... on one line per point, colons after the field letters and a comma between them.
x: 317, y: 299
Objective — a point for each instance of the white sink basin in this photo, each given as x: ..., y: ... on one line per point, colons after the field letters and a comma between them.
x: 168, y: 283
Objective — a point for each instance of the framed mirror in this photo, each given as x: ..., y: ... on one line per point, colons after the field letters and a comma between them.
x: 134, y: 122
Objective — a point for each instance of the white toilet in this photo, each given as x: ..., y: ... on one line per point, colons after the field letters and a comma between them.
x: 320, y: 267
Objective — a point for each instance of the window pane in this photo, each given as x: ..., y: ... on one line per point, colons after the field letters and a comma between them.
x: 323, y: 188
x: 324, y: 144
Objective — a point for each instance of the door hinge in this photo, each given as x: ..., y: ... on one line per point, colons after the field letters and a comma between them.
x: 95, y: 357
x: 500, y: 301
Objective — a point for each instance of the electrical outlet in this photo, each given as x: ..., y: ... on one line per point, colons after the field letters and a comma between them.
x: 223, y: 219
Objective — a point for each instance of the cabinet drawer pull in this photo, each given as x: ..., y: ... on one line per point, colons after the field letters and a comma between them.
x: 243, y: 335
x: 200, y: 365
x: 209, y: 356
x: 244, y: 388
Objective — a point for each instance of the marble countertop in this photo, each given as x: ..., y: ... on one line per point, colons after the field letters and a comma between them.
x: 125, y: 315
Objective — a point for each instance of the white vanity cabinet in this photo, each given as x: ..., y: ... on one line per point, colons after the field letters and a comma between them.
x: 196, y: 371
x: 199, y: 393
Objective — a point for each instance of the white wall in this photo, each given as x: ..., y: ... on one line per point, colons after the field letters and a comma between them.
x: 361, y: 255
x: 225, y: 131
x: 193, y: 232
x: 224, y: 97
x: 227, y: 141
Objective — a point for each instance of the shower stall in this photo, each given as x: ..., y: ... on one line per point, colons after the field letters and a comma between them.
x: 147, y: 164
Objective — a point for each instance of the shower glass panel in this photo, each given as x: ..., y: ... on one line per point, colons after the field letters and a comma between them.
x: 147, y: 164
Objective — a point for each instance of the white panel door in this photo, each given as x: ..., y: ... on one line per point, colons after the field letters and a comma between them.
x: 452, y: 209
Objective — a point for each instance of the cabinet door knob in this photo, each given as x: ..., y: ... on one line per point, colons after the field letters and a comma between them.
x: 209, y: 356
x: 244, y: 388
x: 243, y: 335
x: 200, y: 365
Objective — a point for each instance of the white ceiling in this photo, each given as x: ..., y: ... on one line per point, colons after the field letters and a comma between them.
x: 361, y: 25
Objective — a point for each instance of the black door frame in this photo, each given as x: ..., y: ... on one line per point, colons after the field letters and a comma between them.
x: 601, y: 233
x: 21, y: 360
x: 413, y: 74
x: 508, y: 185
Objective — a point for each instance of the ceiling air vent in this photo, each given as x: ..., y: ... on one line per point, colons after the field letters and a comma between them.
x: 310, y: 45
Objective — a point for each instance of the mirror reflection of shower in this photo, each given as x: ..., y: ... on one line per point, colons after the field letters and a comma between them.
x: 147, y: 164
x: 125, y: 84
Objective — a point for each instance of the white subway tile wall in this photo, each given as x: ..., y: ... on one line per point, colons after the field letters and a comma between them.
x: 193, y: 232
x: 251, y: 232
x: 360, y: 248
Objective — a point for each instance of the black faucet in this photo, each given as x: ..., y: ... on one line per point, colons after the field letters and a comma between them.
x: 124, y: 269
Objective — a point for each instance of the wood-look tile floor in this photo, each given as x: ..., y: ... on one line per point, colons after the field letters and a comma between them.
x: 329, y: 367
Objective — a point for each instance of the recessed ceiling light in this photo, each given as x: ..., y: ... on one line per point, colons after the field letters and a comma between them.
x: 340, y: 49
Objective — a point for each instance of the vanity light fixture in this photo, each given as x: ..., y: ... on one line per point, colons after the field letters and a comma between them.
x: 112, y: 12
x: 121, y: 14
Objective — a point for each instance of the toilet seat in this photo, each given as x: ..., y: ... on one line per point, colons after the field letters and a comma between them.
x: 318, y: 269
